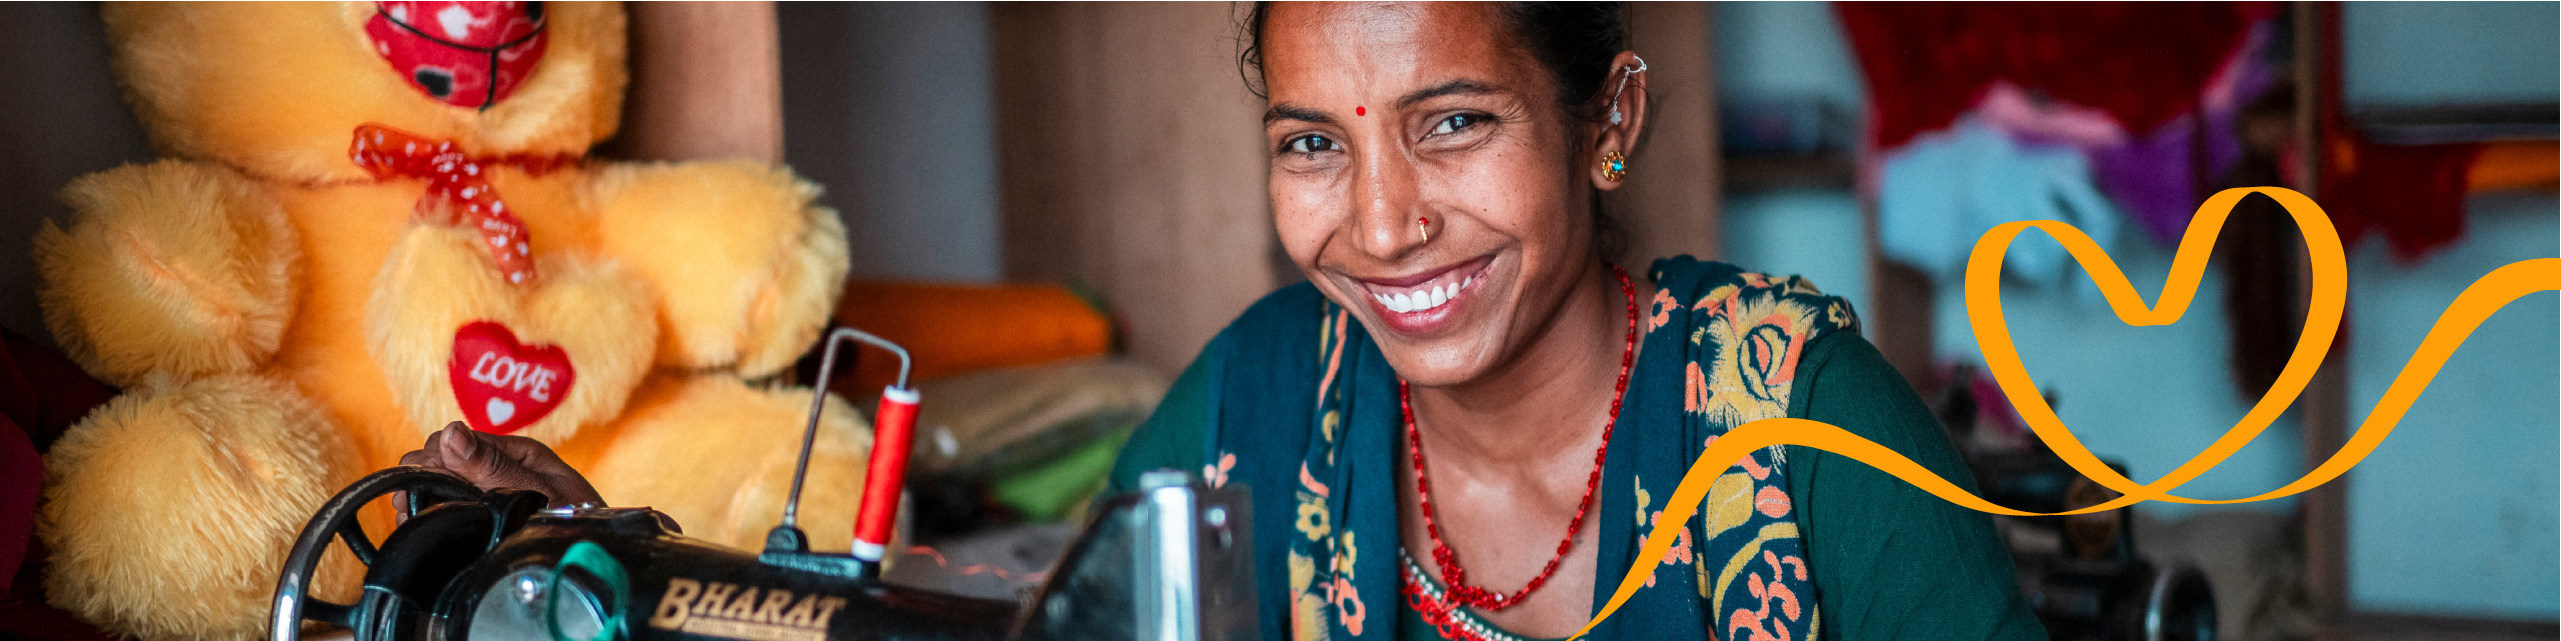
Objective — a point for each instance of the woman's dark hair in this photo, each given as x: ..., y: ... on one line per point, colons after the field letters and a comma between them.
x: 1573, y: 41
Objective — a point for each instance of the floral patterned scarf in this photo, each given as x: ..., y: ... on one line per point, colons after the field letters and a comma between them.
x: 1721, y: 350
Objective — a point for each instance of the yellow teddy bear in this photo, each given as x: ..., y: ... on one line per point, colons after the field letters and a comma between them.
x: 377, y: 218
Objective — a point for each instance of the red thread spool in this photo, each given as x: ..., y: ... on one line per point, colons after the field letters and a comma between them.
x: 892, y: 435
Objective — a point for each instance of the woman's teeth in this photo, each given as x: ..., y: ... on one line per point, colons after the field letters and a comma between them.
x: 1423, y: 299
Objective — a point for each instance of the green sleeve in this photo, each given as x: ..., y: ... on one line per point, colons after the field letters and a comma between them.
x: 1892, y: 561
x: 1173, y: 436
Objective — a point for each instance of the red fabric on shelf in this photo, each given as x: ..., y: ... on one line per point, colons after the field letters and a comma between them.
x: 1925, y: 63
x: 2412, y: 194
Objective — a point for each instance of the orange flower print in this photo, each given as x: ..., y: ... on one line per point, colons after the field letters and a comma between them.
x: 1678, y: 554
x: 1347, y: 605
x: 1771, y: 501
x: 1664, y: 303
x: 1750, y: 465
x: 1694, y: 395
x: 1216, y: 473
x: 1757, y: 340
x: 1717, y: 302
x: 1770, y: 593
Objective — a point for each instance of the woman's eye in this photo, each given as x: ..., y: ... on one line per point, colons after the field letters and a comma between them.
x: 1310, y: 144
x: 1456, y: 123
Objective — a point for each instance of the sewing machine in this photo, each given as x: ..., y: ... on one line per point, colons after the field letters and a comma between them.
x: 1171, y: 562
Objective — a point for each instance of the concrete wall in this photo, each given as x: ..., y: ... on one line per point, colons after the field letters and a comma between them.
x: 891, y: 107
x: 2433, y: 53
x: 2458, y: 512
x: 62, y: 117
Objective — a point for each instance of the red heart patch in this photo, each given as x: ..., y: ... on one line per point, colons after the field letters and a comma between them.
x: 504, y: 385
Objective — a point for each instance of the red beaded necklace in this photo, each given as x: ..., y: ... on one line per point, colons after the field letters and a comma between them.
x: 1454, y: 579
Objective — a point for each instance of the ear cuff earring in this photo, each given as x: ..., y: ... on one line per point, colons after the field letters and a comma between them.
x: 1622, y: 87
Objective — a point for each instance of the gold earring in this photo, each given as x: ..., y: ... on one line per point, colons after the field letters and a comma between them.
x: 1614, y: 166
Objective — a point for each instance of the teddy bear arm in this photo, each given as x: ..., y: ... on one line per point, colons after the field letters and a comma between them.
x: 174, y: 267
x: 746, y: 265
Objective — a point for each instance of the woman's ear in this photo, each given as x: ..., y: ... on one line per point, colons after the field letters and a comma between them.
x: 1622, y: 119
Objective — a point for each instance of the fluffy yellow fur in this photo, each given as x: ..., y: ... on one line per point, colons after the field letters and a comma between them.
x: 717, y: 455
x: 283, y: 322
x: 278, y: 91
x: 439, y: 279
x: 743, y: 263
x: 171, y: 267
x: 233, y: 464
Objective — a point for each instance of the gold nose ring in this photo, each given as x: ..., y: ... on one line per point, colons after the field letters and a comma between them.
x: 1424, y: 224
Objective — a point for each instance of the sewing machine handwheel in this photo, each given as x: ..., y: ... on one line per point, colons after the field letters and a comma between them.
x: 336, y: 519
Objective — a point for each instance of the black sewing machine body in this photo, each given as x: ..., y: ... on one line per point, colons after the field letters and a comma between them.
x: 684, y: 588
x: 2082, y: 573
x: 1172, y: 562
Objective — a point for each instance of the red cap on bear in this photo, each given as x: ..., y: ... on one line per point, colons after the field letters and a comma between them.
x: 467, y: 54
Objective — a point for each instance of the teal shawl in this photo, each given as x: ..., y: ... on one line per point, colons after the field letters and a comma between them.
x: 1721, y: 350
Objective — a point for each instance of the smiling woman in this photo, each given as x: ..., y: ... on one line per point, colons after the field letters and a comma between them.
x: 1457, y: 417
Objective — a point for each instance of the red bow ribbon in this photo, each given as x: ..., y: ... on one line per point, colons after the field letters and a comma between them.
x: 458, y: 189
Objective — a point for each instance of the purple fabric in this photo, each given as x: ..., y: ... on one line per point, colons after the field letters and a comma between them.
x: 2151, y: 179
x: 2150, y: 176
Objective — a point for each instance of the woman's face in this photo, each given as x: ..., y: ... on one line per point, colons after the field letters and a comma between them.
x: 1385, y: 115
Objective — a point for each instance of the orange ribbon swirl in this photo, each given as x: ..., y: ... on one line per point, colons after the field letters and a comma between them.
x: 2187, y: 269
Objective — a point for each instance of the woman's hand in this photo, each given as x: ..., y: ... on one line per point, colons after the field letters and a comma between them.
x: 492, y: 461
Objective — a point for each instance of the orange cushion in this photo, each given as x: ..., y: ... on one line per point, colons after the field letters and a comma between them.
x: 952, y: 329
x: 2523, y: 164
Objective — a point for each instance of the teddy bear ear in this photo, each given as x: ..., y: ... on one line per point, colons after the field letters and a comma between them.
x: 277, y: 89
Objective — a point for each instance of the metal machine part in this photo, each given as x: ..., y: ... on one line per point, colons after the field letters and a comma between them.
x: 514, y: 609
x: 893, y: 432
x: 1173, y: 562
x: 410, y: 569
x: 2082, y: 600
x: 2082, y: 573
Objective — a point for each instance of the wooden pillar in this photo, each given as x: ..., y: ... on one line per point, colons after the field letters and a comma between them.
x: 1130, y: 161
x: 1671, y: 202
x: 2323, y: 407
x: 706, y: 83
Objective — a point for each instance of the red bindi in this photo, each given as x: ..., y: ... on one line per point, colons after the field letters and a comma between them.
x: 1360, y: 111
